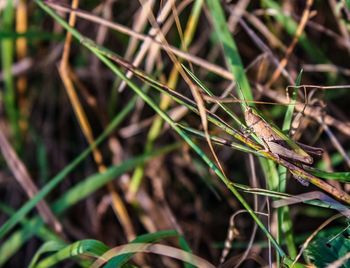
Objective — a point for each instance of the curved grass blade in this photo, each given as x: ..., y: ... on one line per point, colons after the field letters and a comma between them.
x: 326, y: 201
x: 118, y: 261
x: 158, y: 249
x: 87, y: 247
x: 50, y: 246
x: 323, y: 200
x: 18, y: 238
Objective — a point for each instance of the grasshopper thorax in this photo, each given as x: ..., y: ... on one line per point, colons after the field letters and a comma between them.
x: 261, y: 128
x: 250, y: 117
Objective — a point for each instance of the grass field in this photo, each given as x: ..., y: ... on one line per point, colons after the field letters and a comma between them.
x: 170, y: 133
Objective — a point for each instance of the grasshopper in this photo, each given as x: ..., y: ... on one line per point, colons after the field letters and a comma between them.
x: 274, y: 140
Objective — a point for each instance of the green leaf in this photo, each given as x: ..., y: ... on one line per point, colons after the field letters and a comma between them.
x: 325, y: 250
x: 285, y: 224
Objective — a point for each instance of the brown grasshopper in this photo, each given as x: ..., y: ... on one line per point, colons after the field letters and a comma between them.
x: 276, y: 142
x: 272, y: 138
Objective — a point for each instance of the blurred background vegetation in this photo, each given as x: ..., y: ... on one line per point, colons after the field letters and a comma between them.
x: 106, y: 138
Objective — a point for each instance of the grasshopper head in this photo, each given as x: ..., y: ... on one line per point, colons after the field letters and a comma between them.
x: 250, y: 117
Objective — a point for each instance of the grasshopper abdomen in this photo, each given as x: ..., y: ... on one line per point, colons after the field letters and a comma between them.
x: 273, y: 140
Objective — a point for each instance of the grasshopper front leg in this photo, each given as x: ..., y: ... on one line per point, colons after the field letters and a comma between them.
x: 248, y: 131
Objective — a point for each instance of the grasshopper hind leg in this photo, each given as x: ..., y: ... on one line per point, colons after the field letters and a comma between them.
x: 267, y: 148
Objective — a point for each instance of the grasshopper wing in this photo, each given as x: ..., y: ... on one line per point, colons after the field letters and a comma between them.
x: 298, y: 153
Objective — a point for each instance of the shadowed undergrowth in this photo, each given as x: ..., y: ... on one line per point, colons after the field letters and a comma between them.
x: 164, y: 133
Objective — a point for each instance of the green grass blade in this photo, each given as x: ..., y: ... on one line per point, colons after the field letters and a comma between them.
x: 186, y: 247
x: 210, y: 93
x: 285, y: 224
x: 338, y: 176
x: 7, y: 54
x: 88, y: 247
x: 47, y: 247
x: 234, y: 61
x: 96, y: 181
x: 29, y: 228
x: 30, y: 35
x: 17, y: 239
x: 290, y: 108
x: 233, y: 58
x: 232, y: 55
